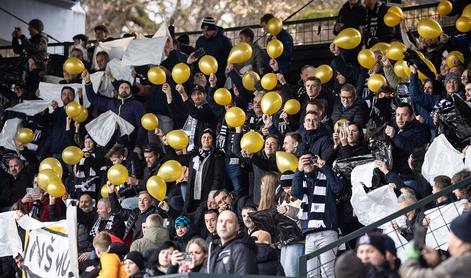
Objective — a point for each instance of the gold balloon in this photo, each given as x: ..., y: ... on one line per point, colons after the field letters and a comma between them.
x: 348, y: 38
x: 324, y: 73
x: 240, y: 53
x: 269, y: 81
x: 429, y: 28
x: 181, y: 73
x: 252, y: 142
x: 467, y: 11
x: 56, y: 188
x: 396, y: 51
x: 271, y: 102
x: 45, y: 176
x: 73, y: 109
x: 82, y: 116
x: 366, y: 58
x: 450, y: 58
x: 381, y: 46
x: 177, y: 139
x: 274, y: 48
x: 249, y: 79
x: 105, y: 192
x: 156, y: 76
x: 375, y: 82
x: 53, y: 164
x: 292, y: 107
x: 156, y: 187
x: 235, y: 117
x: 117, y: 174
x: 208, y: 64
x: 222, y: 96
x: 397, y: 10
x: 274, y: 26
x: 401, y: 69
x: 286, y: 161
x: 463, y: 24
x: 170, y: 171
x: 149, y: 121
x: 444, y: 8
x: 340, y: 123
x: 72, y: 155
x: 24, y: 135
x: 74, y: 66
x: 391, y: 19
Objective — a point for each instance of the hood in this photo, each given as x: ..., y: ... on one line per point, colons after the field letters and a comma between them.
x: 265, y: 253
x: 155, y: 233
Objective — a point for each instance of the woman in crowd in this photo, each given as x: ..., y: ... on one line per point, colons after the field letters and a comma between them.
x: 197, y: 250
x: 161, y: 259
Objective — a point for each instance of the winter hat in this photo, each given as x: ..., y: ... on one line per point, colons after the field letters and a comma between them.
x: 461, y: 227
x: 37, y: 24
x: 374, y: 239
x: 183, y: 221
x: 209, y: 131
x: 197, y: 88
x: 349, y: 266
x: 286, y: 178
x: 262, y: 237
x: 390, y: 245
x: 137, y: 258
x: 209, y: 23
x: 453, y: 76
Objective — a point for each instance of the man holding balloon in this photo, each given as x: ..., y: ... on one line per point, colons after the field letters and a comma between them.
x: 274, y: 27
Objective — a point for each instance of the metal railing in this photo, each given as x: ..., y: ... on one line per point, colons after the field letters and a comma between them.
x: 332, y: 247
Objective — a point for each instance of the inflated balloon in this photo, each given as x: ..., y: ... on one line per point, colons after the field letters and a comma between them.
x: 463, y: 24
x: 375, y: 82
x: 324, y: 73
x: 180, y: 73
x: 348, y: 38
x: 252, y: 142
x: 222, y: 96
x: 74, y: 66
x: 292, y: 107
x: 341, y: 124
x: 429, y: 28
x: 44, y: 176
x: 274, y: 26
x: 156, y: 76
x: 401, y: 69
x: 24, y: 135
x: 381, y: 46
x: 234, y: 117
x: 450, y: 58
x: 397, y: 10
x: 149, y: 121
x: 208, y: 64
x: 105, y: 192
x: 73, y: 109
x: 72, y: 155
x: 467, y: 11
x: 271, y: 102
x: 391, y: 19
x: 82, y: 116
x: 444, y: 8
x: 274, y: 48
x: 269, y: 81
x: 53, y: 164
x: 170, y: 171
x: 117, y: 174
x: 286, y: 161
x: 366, y: 58
x: 240, y: 53
x: 56, y: 188
x: 177, y: 139
x: 396, y: 51
x: 249, y: 79
x: 156, y: 187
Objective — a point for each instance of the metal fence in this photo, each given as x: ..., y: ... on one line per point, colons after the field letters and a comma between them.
x: 323, y: 259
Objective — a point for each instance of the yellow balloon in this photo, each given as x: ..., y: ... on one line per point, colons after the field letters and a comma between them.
x: 271, y: 102
x: 397, y: 10
x: 381, y: 46
x: 340, y: 123
x: 274, y: 26
x: 450, y: 58
x: 429, y: 28
x: 181, y: 73
x: 274, y: 48
x: 396, y: 51
x: 45, y: 176
x: 292, y: 107
x: 444, y: 8
x: 324, y: 73
x: 240, y: 53
x: 117, y: 174
x: 235, y: 117
x: 269, y: 81
x: 391, y: 19
x: 348, y: 38
x: 375, y: 82
x: 177, y: 139
x: 208, y: 64
x: 53, y: 164
x: 74, y: 66
x: 105, y: 192
x: 73, y: 109
x: 24, y: 135
x: 72, y: 155
x: 156, y: 76
x: 170, y: 171
x: 467, y: 11
x: 82, y: 116
x: 156, y: 187
x: 149, y: 121
x: 366, y: 58
x: 286, y: 161
x: 252, y: 142
x: 401, y: 69
x: 249, y: 79
x: 222, y: 96
x: 56, y: 188
x: 463, y: 24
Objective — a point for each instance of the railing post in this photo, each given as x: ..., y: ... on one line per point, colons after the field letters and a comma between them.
x: 302, y: 267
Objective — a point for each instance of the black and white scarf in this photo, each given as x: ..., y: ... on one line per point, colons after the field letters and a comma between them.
x: 96, y: 227
x: 198, y: 164
x: 190, y: 128
x: 314, y: 201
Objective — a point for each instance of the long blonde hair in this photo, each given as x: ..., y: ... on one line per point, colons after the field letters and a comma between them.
x: 267, y: 191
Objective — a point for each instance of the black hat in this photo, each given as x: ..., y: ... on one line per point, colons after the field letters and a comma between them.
x: 374, y: 239
x: 461, y: 227
x: 137, y: 258
x: 286, y: 178
x: 210, y: 131
x: 349, y: 266
x: 197, y: 88
x: 37, y: 24
x: 209, y: 23
x: 390, y: 245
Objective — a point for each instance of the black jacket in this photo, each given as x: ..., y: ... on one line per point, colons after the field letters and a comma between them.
x: 268, y: 261
x: 357, y: 113
x: 34, y: 47
x: 352, y: 17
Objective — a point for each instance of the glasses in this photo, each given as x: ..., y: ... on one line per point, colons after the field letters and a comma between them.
x: 347, y: 98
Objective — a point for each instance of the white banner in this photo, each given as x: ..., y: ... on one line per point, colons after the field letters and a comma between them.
x: 10, y: 242
x: 144, y: 52
x: 31, y: 107
x: 114, y: 48
x: 50, y: 92
x: 120, y: 71
x: 8, y: 134
x: 102, y: 128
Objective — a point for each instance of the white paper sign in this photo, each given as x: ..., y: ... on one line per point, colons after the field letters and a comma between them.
x: 114, y: 48
x: 50, y: 92
x: 144, y: 52
x: 120, y: 71
x: 8, y: 134
x: 103, y: 127
x: 363, y: 174
x: 31, y: 107
x: 10, y: 242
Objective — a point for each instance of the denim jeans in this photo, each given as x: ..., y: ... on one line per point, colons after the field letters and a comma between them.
x: 234, y: 173
x: 322, y: 266
x: 289, y: 258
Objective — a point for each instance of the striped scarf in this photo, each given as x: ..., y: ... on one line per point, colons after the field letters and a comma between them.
x: 314, y: 201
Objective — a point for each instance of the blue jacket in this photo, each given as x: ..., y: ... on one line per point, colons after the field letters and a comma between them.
x: 418, y: 96
x: 316, y: 142
x: 284, y: 61
x: 57, y: 137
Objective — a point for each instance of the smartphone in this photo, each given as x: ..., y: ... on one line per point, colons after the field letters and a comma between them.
x: 199, y: 53
x: 29, y: 191
x: 313, y: 160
